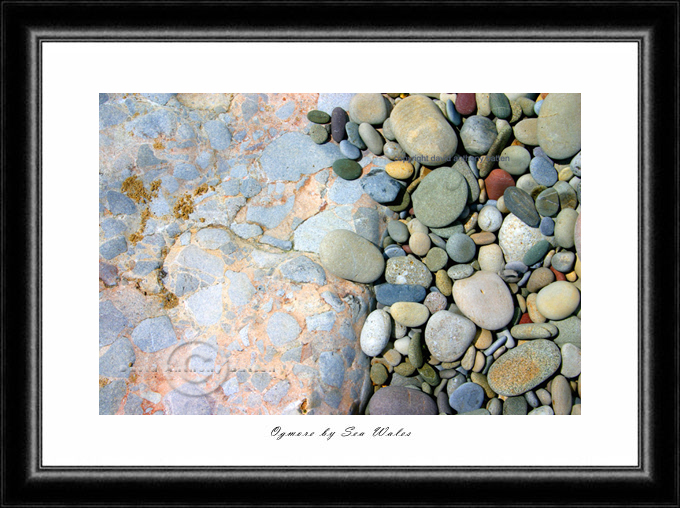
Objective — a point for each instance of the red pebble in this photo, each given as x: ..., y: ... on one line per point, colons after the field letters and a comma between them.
x: 496, y: 183
x: 466, y: 104
x: 558, y: 275
x: 525, y: 319
x: 411, y: 211
x: 407, y: 249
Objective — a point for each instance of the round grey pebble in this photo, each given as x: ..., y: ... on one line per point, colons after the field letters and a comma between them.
x: 515, y: 406
x: 372, y: 138
x: 394, y: 151
x: 467, y: 397
x: 532, y: 399
x: 349, y: 150
x: 563, y: 261
x: 398, y: 231
x: 478, y: 134
x: 461, y: 248
x: 495, y: 406
x: 353, y: 136
x: 543, y: 171
x: 458, y: 272
x: 547, y: 226
x: 318, y: 133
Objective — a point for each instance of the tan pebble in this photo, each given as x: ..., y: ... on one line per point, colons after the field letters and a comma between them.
x: 499, y: 352
x: 424, y: 171
x: 513, y: 287
x: 534, y: 315
x: 415, y: 226
x: 482, y: 196
x: 482, y: 183
x: 548, y: 258
x: 483, y: 238
x: 401, y: 170
x: 565, y: 174
x: 522, y: 303
x: 481, y: 380
x: 521, y: 341
x: 480, y: 361
x: 577, y: 266
x: 574, y: 385
x: 433, y: 361
x: 484, y: 339
x: 516, y: 111
x: 469, y: 358
x: 413, y: 185
x: 548, y: 386
x: 576, y: 409
x: 392, y: 357
x: 500, y: 204
x: 516, y: 142
x: 571, y: 276
x: 419, y: 243
x: 384, y: 362
x: 471, y: 223
x: 443, y: 282
x: 483, y: 104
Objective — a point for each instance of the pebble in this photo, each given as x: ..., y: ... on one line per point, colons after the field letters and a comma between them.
x: 495, y: 406
x: 435, y: 302
x: 318, y: 133
x: 478, y: 134
x: 575, y: 164
x: 422, y: 131
x: 443, y: 401
x: 491, y: 258
x: 483, y: 239
x: 350, y: 256
x: 543, y: 171
x: 352, y: 130
x: 457, y: 272
x: 387, y: 131
x: 527, y: 106
x: 466, y: 103
x: 515, y: 160
x: 392, y: 357
x: 522, y: 206
x: 380, y: 186
x: 339, y: 122
x: 347, y: 169
x: 526, y: 131
x: 375, y: 333
x: 405, y: 369
x: 370, y: 108
x: 548, y: 202
x: 393, y: 251
x: 559, y: 125
x: 541, y: 411
x: 407, y: 270
x: 452, y: 114
x: 317, y: 116
x: 393, y: 151
x: 429, y: 374
x: 372, y: 138
x: 401, y: 170
x: 483, y: 106
x: 415, y: 351
x: 534, y: 331
x: 563, y: 261
x: 402, y: 345
x: 349, y: 150
x: 389, y: 294
x: 436, y: 259
x: 378, y: 374
x: 398, y: 231
x: 565, y: 224
x: 461, y: 248
x: 399, y: 400
x: 415, y: 226
x: 448, y: 335
x: 467, y: 397
x: 524, y: 367
x: 537, y: 107
x: 558, y: 300
x: 419, y: 243
x: 547, y: 226
x: 485, y: 299
x: 544, y: 396
x: 410, y: 314
x: 443, y: 282
x: 536, y: 253
x: 440, y: 198
x: 497, y: 182
x: 500, y: 105
x: 534, y: 315
x: 490, y: 219
x: 567, y: 195
x: 515, y: 406
x: 577, y: 240
x: 571, y: 360
x: 516, y: 238
x: 561, y: 395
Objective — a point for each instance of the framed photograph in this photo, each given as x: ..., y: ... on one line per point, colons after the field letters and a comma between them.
x: 63, y: 442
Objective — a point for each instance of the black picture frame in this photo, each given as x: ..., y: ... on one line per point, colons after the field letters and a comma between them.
x: 27, y: 25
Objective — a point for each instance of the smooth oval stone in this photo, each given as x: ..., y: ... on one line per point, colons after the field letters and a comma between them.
x: 443, y: 282
x: 317, y: 116
x: 422, y: 131
x: 436, y: 259
x: 435, y: 302
x: 577, y: 236
x: 399, y: 400
x: 534, y: 331
x: 407, y: 270
x: 563, y: 261
x: 473, y: 185
x: 516, y: 238
x: 541, y: 411
x: 537, y: 107
x: 419, y: 243
x: 540, y: 278
x: 380, y: 186
x: 478, y: 134
x: 524, y: 367
x: 491, y: 258
x: 543, y: 171
x: 558, y: 300
x: 527, y: 184
x: 449, y: 335
x: 378, y: 374
x: 527, y: 106
x: 536, y: 253
x: 402, y: 345
x: 339, y: 120
x: 401, y: 170
x: 490, y: 219
x: 500, y: 105
x: 559, y: 125
x: 352, y: 130
x: 561, y: 394
x: 458, y: 272
x: 375, y: 333
x: 350, y: 256
x: 526, y: 131
x: 389, y: 294
x: 466, y: 104
x: 394, y: 251
x: 515, y: 160
x: 485, y: 299
x: 522, y: 206
x: 415, y: 351
x: 393, y: 151
x: 567, y: 195
x: 372, y: 138
x: 401, y: 203
x: 349, y: 150
x: 410, y: 314
x: 368, y: 107
x: 575, y: 164
x: 398, y: 231
x: 429, y: 374
x: 571, y: 360
x: 515, y: 406
x: 461, y: 248
x: 436, y: 240
x: 467, y: 397
x: 547, y: 226
x: 347, y: 169
x: 452, y: 114
x: 443, y: 403
x: 548, y: 202
x: 569, y: 331
x: 388, y: 133
x: 497, y: 182
x: 318, y: 133
x: 565, y: 224
x: 446, y: 232
x: 440, y: 198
